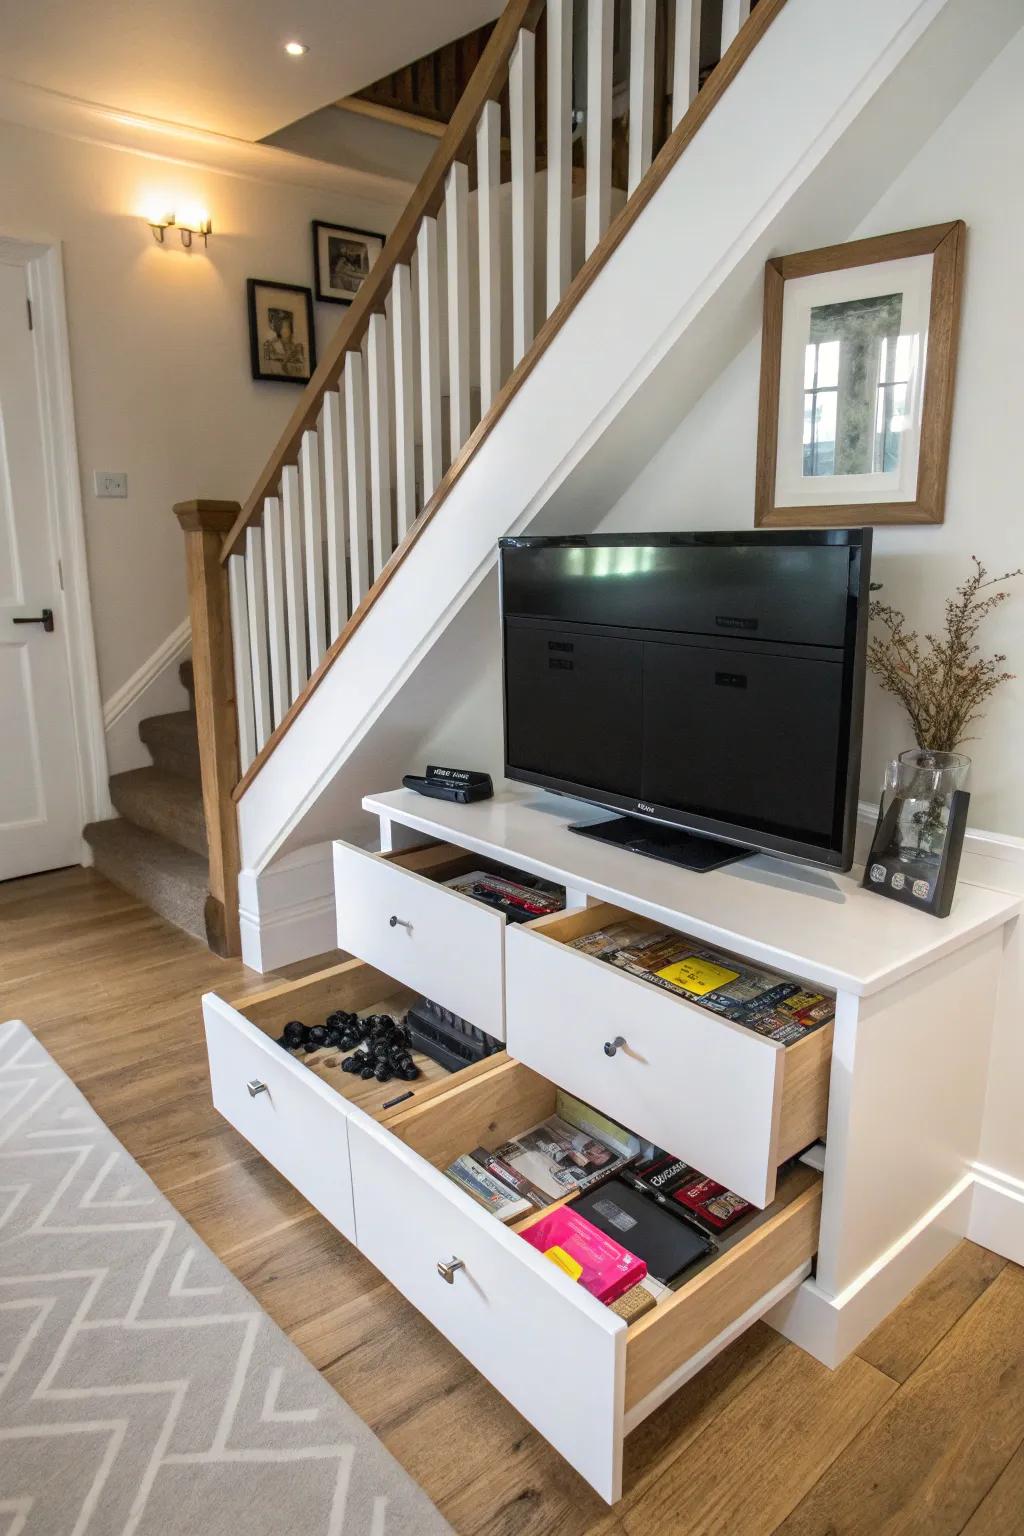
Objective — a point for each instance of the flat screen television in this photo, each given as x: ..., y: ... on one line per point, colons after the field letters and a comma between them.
x: 708, y: 685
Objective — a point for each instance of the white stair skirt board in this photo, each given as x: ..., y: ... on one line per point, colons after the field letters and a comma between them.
x: 153, y: 689
x: 646, y: 313
x: 286, y: 912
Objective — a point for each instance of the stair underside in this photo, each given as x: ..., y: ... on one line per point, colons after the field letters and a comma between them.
x: 172, y: 880
x: 164, y: 803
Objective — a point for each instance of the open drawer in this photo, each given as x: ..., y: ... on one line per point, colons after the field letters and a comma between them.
x: 295, y: 1110
x: 395, y: 911
x: 731, y: 1102
x: 546, y: 1344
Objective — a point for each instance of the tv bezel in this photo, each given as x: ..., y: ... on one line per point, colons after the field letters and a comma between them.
x: 835, y: 858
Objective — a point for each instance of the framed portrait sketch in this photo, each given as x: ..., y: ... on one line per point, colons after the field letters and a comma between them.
x: 342, y: 256
x: 282, y: 341
x: 858, y: 355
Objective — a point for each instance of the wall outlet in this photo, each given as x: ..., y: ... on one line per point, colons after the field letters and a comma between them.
x: 110, y: 483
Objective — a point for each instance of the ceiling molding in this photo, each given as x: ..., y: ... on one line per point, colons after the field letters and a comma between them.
x: 50, y: 112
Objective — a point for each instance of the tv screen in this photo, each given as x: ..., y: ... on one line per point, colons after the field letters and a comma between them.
x: 707, y: 681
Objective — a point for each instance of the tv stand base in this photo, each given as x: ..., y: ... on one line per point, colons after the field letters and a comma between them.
x: 669, y: 844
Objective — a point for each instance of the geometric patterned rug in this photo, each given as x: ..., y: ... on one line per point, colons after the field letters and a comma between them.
x: 143, y: 1392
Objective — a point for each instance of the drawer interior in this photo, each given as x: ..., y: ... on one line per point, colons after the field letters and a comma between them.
x: 356, y: 988
x: 766, y: 1248
x: 442, y: 862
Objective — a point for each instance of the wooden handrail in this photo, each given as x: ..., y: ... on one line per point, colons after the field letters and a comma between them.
x: 720, y: 79
x: 486, y: 84
x: 204, y: 524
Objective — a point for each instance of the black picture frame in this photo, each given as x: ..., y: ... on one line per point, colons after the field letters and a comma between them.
x: 325, y: 294
x: 887, y: 875
x: 258, y: 355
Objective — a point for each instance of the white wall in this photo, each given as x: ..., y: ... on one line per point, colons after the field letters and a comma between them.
x: 160, y: 349
x: 972, y: 168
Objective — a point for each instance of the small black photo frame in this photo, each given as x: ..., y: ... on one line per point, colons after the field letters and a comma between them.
x: 342, y: 258
x: 282, y: 338
x: 928, y: 886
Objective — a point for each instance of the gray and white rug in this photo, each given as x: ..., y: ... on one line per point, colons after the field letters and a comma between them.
x: 143, y: 1392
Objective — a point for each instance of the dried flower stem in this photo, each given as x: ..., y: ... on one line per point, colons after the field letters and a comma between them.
x: 943, y: 681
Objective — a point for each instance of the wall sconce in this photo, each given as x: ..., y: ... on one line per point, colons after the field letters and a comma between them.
x: 201, y: 224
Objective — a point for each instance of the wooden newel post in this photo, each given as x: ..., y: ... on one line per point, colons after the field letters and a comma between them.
x: 204, y: 524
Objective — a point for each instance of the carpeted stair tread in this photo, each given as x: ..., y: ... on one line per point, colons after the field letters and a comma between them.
x: 173, y: 743
x: 171, y: 880
x: 163, y: 803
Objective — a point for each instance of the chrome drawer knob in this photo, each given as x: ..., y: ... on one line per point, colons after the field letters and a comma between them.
x: 448, y: 1271
x: 399, y: 922
x: 255, y: 1087
x: 611, y: 1046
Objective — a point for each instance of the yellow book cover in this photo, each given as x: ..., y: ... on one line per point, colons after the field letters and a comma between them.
x: 697, y: 975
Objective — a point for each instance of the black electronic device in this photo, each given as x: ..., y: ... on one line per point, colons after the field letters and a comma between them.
x: 462, y: 791
x: 708, y: 685
x: 668, y: 1243
x: 446, y: 1038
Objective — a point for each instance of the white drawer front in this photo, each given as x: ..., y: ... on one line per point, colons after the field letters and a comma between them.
x: 445, y: 945
x: 297, y: 1123
x: 554, y: 1352
x: 707, y: 1090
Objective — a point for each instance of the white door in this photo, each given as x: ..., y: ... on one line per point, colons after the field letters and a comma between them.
x: 40, y: 802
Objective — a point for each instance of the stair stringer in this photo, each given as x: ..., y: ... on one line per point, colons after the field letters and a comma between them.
x: 642, y: 310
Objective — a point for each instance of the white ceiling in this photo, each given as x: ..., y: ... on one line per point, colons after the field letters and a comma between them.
x: 220, y: 64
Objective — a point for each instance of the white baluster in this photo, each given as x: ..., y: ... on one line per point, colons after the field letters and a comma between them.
x: 641, y: 90
x: 405, y: 415
x: 522, y: 121
x: 333, y: 440
x: 430, y: 355
x: 685, y: 57
x: 488, y: 207
x: 256, y: 598
x: 734, y: 14
x: 243, y: 661
x: 559, y: 230
x: 380, y: 441
x: 277, y: 638
x: 598, y: 120
x: 456, y: 219
x: 355, y: 424
x: 313, y: 539
x: 294, y: 583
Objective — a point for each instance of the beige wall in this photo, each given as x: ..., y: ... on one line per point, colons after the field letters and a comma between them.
x: 972, y: 168
x: 160, y: 350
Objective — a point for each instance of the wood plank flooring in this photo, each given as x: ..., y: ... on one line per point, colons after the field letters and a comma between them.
x: 921, y: 1433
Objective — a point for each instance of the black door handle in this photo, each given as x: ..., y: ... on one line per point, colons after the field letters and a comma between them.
x: 45, y: 619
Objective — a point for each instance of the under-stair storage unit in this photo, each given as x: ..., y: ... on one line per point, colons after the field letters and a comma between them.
x: 375, y: 1172
x: 852, y: 1142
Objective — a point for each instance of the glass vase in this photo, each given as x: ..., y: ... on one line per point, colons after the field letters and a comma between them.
x: 924, y: 782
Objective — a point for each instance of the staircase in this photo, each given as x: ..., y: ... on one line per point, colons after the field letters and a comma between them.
x: 478, y: 366
x: 156, y: 848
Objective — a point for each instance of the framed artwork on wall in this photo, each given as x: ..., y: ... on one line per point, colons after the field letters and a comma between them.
x: 282, y: 341
x: 858, y: 356
x: 342, y: 257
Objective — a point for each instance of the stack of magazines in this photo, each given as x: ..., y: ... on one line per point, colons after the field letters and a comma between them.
x: 758, y: 998
x: 519, y: 897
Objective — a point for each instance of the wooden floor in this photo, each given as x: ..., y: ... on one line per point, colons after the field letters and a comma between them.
x: 921, y: 1431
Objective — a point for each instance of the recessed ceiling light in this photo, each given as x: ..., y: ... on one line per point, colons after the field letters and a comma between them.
x: 296, y: 49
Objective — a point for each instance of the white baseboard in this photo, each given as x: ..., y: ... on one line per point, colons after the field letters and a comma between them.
x: 286, y: 912
x: 997, y: 1213
x: 153, y: 689
x: 831, y: 1327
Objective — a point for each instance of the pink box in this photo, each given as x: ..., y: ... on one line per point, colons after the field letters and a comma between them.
x: 598, y: 1263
